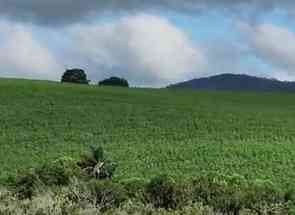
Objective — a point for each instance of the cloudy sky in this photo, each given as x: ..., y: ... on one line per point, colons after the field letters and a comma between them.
x: 151, y: 43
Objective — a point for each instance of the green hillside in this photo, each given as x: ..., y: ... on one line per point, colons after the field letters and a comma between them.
x: 148, y: 132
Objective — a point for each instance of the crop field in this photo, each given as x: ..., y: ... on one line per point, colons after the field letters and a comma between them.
x: 148, y: 131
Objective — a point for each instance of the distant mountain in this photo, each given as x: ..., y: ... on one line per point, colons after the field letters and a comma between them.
x: 234, y: 82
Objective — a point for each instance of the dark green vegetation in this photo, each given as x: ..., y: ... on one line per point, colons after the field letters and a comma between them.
x: 77, y: 76
x: 114, y: 81
x: 183, y: 134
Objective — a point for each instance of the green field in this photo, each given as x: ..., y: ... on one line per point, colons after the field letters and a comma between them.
x: 149, y: 132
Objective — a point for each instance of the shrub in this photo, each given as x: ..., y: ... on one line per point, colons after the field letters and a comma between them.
x: 58, y: 172
x: 224, y: 194
x: 163, y: 192
x: 107, y: 194
x: 114, y: 81
x: 231, y: 195
x: 96, y: 164
x: 26, y: 185
x: 209, y: 195
x: 77, y: 76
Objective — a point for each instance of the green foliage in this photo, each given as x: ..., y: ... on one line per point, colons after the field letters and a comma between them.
x: 77, y: 76
x: 114, y: 81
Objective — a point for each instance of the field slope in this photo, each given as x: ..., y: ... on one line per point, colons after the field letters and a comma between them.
x: 148, y: 132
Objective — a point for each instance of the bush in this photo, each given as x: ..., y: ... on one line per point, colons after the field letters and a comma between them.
x: 163, y: 192
x: 61, y: 171
x: 108, y: 194
x: 114, y: 81
x: 77, y: 76
x: 26, y: 185
x: 96, y: 164
x: 207, y: 195
x: 58, y: 172
x: 231, y: 195
x: 225, y: 194
x: 68, y: 189
x: 223, y: 197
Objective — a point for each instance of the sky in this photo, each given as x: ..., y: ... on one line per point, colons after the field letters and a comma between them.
x: 150, y: 43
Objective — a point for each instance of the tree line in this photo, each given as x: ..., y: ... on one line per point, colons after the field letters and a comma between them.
x: 79, y: 76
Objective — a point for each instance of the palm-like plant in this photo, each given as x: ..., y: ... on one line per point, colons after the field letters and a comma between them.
x: 96, y: 165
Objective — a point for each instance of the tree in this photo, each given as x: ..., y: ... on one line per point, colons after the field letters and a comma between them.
x: 77, y: 76
x: 114, y: 81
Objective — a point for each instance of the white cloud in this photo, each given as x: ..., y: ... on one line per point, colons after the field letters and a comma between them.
x: 274, y: 45
x: 22, y: 56
x: 147, y: 50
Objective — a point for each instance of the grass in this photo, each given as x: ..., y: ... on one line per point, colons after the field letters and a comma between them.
x: 149, y: 132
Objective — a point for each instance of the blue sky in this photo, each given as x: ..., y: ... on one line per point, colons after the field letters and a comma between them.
x: 150, y: 44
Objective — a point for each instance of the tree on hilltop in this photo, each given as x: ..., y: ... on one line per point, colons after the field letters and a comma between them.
x: 114, y: 81
x: 77, y: 76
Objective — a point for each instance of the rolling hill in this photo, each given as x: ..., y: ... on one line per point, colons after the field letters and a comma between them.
x: 148, y: 131
x: 235, y: 82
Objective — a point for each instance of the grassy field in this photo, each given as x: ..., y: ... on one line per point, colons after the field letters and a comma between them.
x: 149, y: 132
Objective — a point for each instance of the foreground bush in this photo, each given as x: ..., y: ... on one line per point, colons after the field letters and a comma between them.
x: 60, y: 173
x: 231, y: 195
x: 85, y: 186
x: 225, y: 196
x: 163, y: 196
x: 108, y: 195
x: 163, y: 192
x: 26, y: 185
x: 97, y: 165
x: 57, y: 173
x: 59, y: 203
